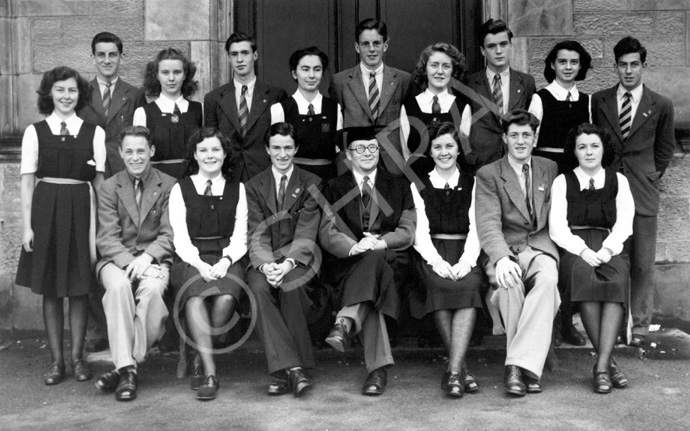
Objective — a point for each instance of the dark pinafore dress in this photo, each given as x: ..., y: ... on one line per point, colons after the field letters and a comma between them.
x: 60, y: 264
x: 210, y: 222
x: 316, y: 137
x: 596, y: 211
x: 170, y: 133
x: 447, y: 211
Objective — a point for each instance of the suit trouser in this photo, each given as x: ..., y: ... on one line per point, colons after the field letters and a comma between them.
x: 528, y: 312
x: 371, y: 327
x: 281, y: 323
x: 642, y: 260
x: 135, y: 315
x: 97, y: 327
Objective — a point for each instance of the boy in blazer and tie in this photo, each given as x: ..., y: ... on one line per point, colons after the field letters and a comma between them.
x: 640, y: 123
x: 135, y: 242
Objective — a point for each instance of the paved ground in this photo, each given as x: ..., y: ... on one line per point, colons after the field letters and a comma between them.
x: 656, y: 399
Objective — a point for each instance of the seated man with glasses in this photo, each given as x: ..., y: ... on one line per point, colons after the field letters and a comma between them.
x: 365, y: 231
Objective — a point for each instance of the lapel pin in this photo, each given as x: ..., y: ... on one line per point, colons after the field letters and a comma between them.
x: 297, y: 190
x: 541, y: 188
x: 264, y: 100
x: 519, y: 91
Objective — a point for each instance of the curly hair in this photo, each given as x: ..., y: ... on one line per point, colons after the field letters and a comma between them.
x: 456, y: 58
x: 153, y: 86
x: 61, y: 73
x: 569, y: 45
x: 437, y: 129
x: 198, y: 136
x: 570, y: 160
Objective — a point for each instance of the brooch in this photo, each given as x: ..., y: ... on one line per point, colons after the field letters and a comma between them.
x: 174, y: 118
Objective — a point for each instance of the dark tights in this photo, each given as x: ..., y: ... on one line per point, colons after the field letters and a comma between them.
x: 602, y: 321
x: 54, y: 320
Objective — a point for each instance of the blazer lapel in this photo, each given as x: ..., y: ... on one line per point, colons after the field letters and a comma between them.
x: 539, y: 185
x: 356, y: 84
x: 644, y: 111
x: 352, y: 211
x: 268, y: 191
x: 117, y: 100
x: 513, y: 189
x: 152, y: 190
x: 259, y: 103
x: 517, y: 90
x: 125, y: 192
x: 229, y: 106
x: 294, y: 189
x: 610, y: 111
x: 97, y: 99
x: 389, y: 84
x: 485, y: 96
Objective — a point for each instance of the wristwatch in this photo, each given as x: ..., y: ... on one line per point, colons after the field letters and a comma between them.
x: 228, y: 258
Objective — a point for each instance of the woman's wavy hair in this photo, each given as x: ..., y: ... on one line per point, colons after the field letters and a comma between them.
x: 192, y: 166
x: 437, y: 129
x: 587, y: 129
x: 456, y: 58
x: 569, y: 45
x: 153, y: 86
x: 61, y: 73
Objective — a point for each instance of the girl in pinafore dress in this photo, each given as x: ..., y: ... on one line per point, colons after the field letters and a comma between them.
x: 171, y: 118
x: 67, y: 157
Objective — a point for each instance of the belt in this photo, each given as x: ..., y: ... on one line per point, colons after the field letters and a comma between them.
x: 55, y: 180
x: 590, y: 227
x: 312, y: 162
x: 167, y: 162
x: 207, y: 237
x: 550, y: 149
x: 455, y: 236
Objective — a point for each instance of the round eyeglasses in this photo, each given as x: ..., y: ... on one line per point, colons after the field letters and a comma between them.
x: 359, y: 149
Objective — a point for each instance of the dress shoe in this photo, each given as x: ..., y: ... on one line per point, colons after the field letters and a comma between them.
x: 127, y: 387
x: 299, y: 381
x: 375, y: 384
x: 279, y: 385
x: 512, y: 379
x: 197, y: 373
x: 468, y: 380
x: 208, y: 390
x: 55, y: 374
x: 533, y: 386
x: 601, y: 382
x: 618, y: 379
x: 338, y: 337
x: 81, y: 371
x: 572, y: 336
x: 108, y: 382
x: 97, y: 345
x: 453, y: 385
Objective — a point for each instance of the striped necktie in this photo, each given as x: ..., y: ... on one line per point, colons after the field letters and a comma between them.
x: 137, y: 191
x: 244, y: 111
x: 281, y: 192
x: 106, y: 98
x: 625, y: 118
x: 591, y: 184
x: 528, y: 194
x: 310, y: 110
x: 366, y: 203
x: 374, y: 96
x: 498, y: 94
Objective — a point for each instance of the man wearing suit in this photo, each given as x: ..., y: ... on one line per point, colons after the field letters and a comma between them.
x: 494, y: 91
x: 640, y: 123
x: 367, y: 226
x: 113, y: 102
x: 283, y: 223
x: 371, y: 93
x: 521, y: 261
x: 135, y: 241
x: 241, y: 108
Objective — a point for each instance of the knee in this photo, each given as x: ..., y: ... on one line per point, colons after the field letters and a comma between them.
x: 117, y: 287
x: 151, y: 288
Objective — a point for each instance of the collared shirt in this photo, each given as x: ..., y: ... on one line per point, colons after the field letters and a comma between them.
x: 178, y: 220
x: 144, y: 177
x: 634, y: 102
x: 425, y: 101
x: 277, y: 176
x: 103, y: 87
x: 559, y: 229
x: 505, y: 85
x: 29, y: 162
x: 249, y: 96
x: 359, y: 179
x: 366, y: 76
x: 422, y: 242
x: 517, y: 167
x: 165, y: 104
x: 278, y: 113
x: 536, y: 107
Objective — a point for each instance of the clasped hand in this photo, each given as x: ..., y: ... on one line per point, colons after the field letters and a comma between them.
x: 213, y: 272
x: 142, y: 267
x: 595, y: 259
x: 454, y: 272
x: 275, y: 272
x: 368, y: 242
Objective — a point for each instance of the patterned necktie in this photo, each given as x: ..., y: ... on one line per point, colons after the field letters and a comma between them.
x: 373, y: 96
x: 244, y: 111
x: 528, y: 193
x: 207, y: 191
x: 310, y: 110
x: 447, y: 186
x: 366, y: 203
x: 435, y: 107
x: 63, y: 129
x: 106, y: 98
x: 137, y: 191
x: 591, y: 184
x: 498, y: 94
x: 281, y: 192
x: 625, y: 118
x: 176, y: 110
x: 568, y: 98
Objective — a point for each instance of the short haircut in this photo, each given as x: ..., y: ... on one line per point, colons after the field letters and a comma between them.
x: 493, y: 26
x: 438, y: 129
x: 240, y: 37
x: 105, y: 37
x: 569, y: 45
x: 138, y: 131
x: 629, y: 45
x: 371, y: 24
x: 283, y: 129
x: 456, y: 58
x: 569, y: 159
x: 197, y: 137
x: 301, y: 53
x: 153, y: 86
x: 519, y: 117
x: 61, y: 73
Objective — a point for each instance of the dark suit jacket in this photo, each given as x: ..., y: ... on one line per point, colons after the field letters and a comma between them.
x: 220, y: 111
x: 125, y: 99
x: 124, y: 231
x: 273, y: 237
x: 503, y: 221
x: 648, y: 151
x: 347, y: 88
x: 485, y: 134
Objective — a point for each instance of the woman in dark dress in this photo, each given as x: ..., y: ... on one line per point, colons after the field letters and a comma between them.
x: 591, y: 217
x: 446, y: 239
x: 439, y: 102
x: 208, y: 214
x: 67, y: 156
x: 171, y: 117
x: 316, y: 118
